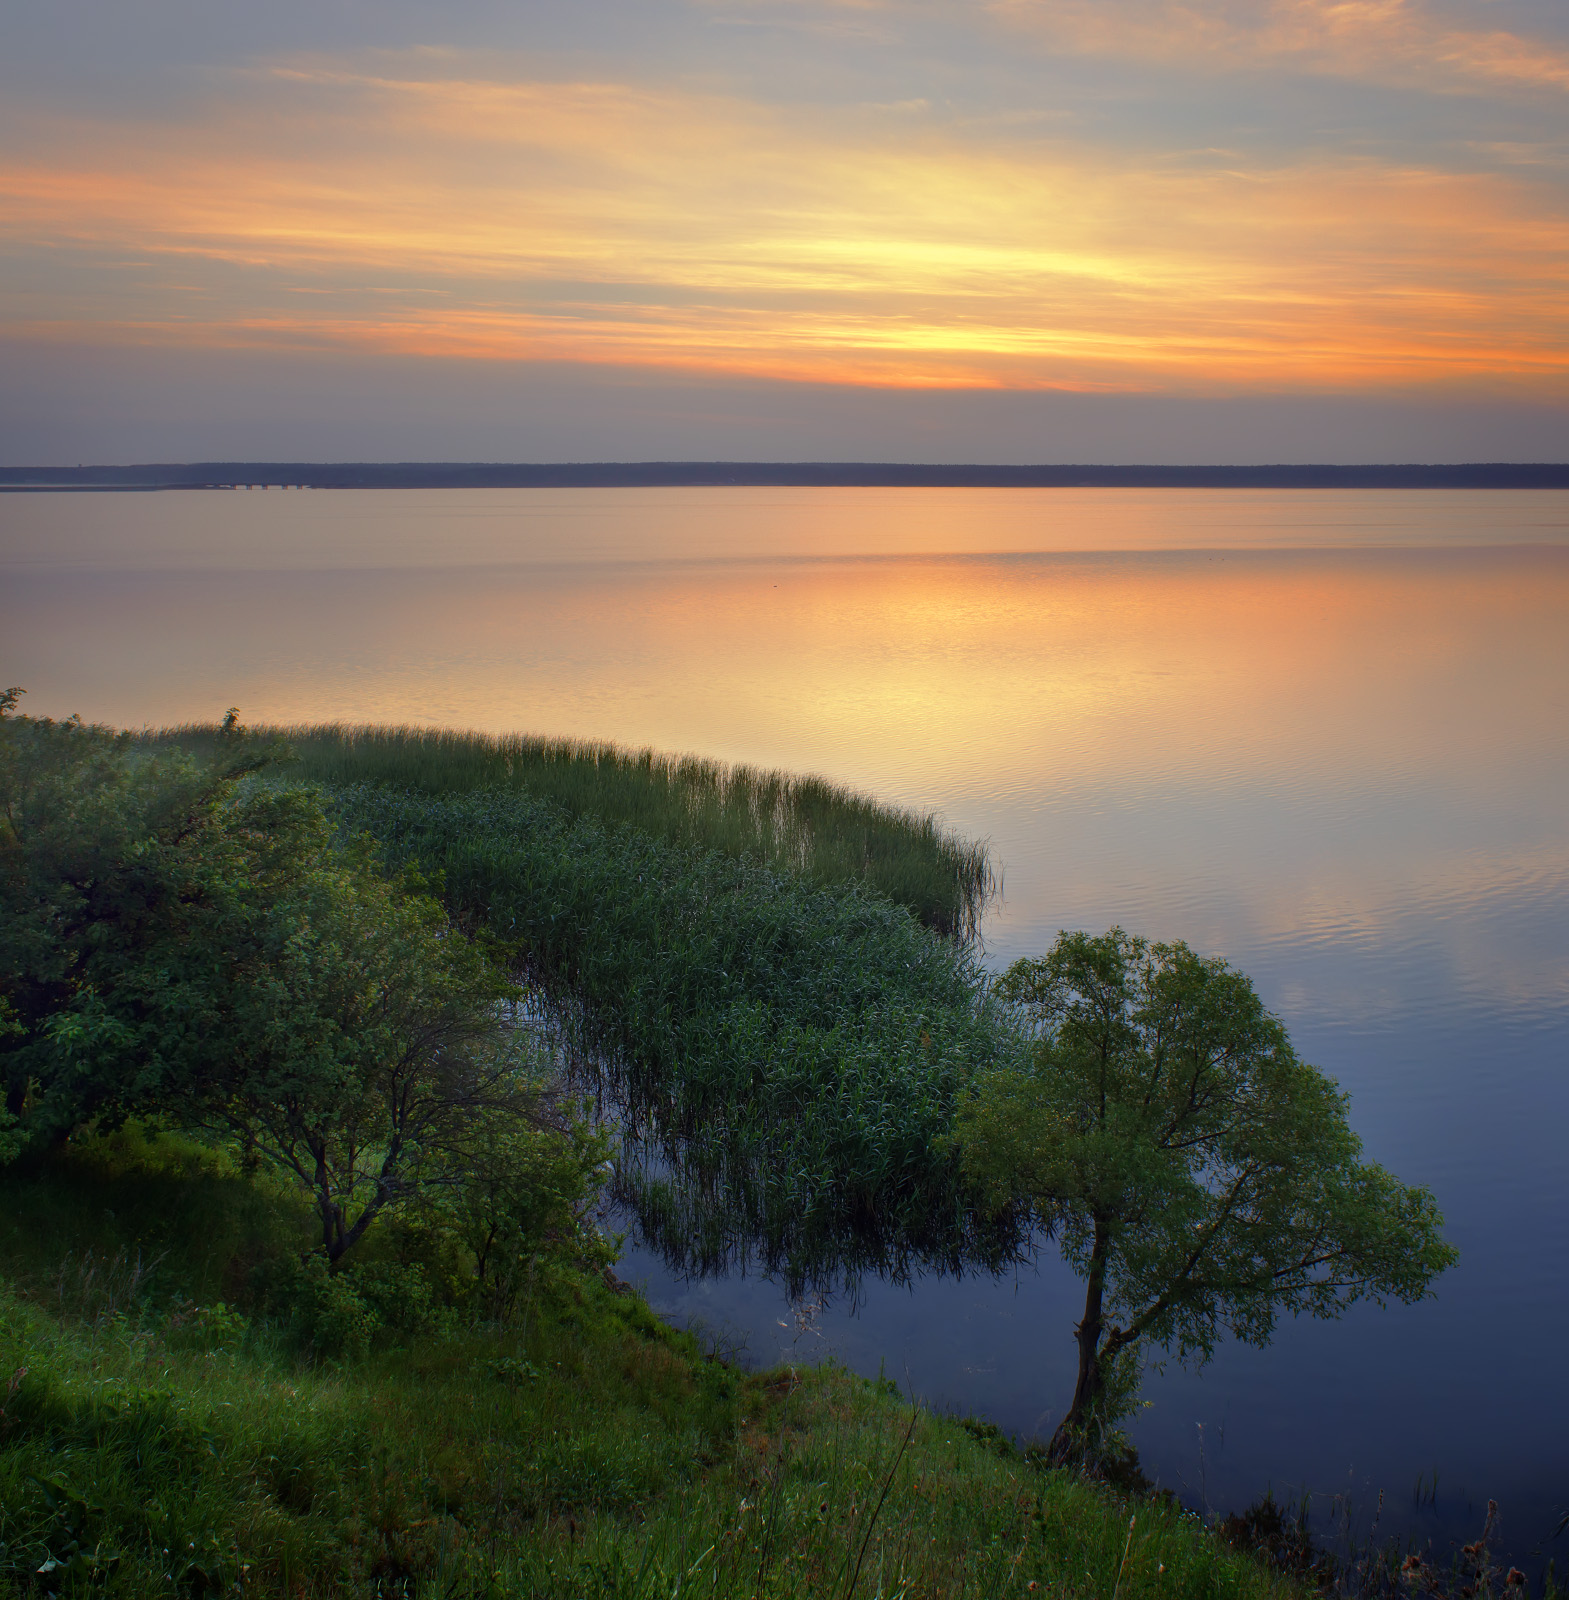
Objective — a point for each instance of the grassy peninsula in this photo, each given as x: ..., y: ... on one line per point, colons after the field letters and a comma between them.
x: 766, y: 976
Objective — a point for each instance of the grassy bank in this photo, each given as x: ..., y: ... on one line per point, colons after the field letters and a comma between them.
x: 828, y: 833
x: 155, y: 1443
x: 340, y: 1326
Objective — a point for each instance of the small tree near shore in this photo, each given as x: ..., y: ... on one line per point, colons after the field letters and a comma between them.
x: 1200, y: 1177
x: 352, y: 1039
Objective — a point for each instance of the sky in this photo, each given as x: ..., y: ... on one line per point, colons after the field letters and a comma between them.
x: 1002, y: 230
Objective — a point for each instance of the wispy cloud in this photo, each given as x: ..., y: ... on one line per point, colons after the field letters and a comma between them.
x: 416, y: 203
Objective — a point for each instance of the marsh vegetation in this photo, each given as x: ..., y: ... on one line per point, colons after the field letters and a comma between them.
x: 808, y: 826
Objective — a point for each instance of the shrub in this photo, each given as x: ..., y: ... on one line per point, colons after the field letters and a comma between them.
x: 398, y: 1297
x: 321, y: 1310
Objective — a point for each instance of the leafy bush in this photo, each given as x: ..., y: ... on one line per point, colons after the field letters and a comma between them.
x: 176, y: 944
x: 105, y: 851
x: 398, y: 1297
x: 322, y: 1311
x: 214, y: 1327
x: 512, y: 1372
x: 527, y: 1195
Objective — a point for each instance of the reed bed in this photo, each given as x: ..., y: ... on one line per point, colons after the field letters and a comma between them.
x: 784, y: 1057
x: 826, y: 832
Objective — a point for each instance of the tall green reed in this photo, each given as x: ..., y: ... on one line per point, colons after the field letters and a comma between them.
x: 826, y: 832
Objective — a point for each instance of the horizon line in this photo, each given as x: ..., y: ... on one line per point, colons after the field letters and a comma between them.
x: 236, y: 474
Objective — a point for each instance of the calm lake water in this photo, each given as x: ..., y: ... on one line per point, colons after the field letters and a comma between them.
x: 1325, y: 734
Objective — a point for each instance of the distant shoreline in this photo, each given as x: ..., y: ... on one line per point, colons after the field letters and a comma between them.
x: 236, y: 475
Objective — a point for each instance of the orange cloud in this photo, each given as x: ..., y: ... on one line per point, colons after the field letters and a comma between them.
x: 418, y: 208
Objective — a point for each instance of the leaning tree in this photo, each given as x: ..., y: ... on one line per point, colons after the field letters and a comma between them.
x: 1200, y: 1176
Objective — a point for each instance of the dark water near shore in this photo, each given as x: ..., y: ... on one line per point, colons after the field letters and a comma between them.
x: 1325, y: 734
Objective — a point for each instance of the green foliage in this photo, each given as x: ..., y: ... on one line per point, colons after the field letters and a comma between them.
x: 105, y: 850
x: 1199, y: 1175
x: 214, y: 1327
x: 350, y: 1039
x: 172, y: 941
x: 783, y: 1053
x: 13, y: 1133
x: 511, y: 1371
x: 804, y: 825
x: 338, y: 1315
x: 116, y: 1229
x: 527, y: 1193
x: 784, y: 1057
x: 322, y: 1311
x: 199, y: 1405
x: 399, y: 1296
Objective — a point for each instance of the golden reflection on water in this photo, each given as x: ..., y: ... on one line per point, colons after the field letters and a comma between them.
x: 1256, y: 750
x: 946, y: 676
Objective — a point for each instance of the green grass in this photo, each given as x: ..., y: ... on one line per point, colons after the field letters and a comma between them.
x: 148, y: 1449
x: 820, y: 829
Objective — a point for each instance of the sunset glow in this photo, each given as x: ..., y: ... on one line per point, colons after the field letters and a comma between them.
x: 718, y: 215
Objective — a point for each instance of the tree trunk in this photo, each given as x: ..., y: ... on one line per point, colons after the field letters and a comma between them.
x: 340, y: 1235
x: 331, y: 1230
x: 1067, y: 1444
x: 329, y: 1211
